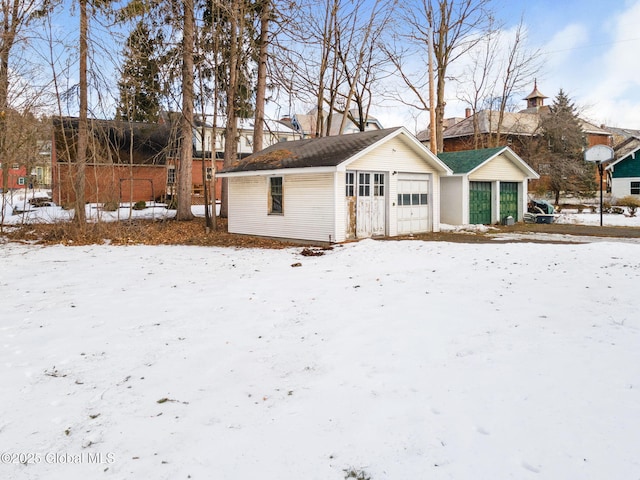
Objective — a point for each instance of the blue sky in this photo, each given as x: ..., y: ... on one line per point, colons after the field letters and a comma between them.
x: 591, y: 50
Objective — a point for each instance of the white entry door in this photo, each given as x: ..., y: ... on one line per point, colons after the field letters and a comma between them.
x: 370, y: 204
x: 413, y: 205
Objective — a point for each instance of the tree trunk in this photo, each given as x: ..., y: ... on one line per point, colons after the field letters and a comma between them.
x: 83, y: 124
x: 231, y: 131
x: 185, y: 173
x: 433, y: 137
x: 4, y: 105
x: 258, y: 128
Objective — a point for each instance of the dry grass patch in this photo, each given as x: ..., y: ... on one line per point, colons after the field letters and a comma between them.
x: 139, y: 232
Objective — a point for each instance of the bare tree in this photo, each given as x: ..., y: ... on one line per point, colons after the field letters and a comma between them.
x: 15, y: 16
x: 478, y: 83
x: 455, y: 27
x: 83, y: 125
x: 520, y: 65
x: 331, y: 49
x: 359, y: 59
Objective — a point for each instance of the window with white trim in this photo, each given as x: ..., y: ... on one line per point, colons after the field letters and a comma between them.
x: 635, y: 188
x: 350, y: 181
x: 378, y: 184
x: 171, y: 175
x: 364, y: 184
x: 276, y: 196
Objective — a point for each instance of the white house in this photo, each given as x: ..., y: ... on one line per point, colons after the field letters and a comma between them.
x: 274, y: 132
x: 305, y: 124
x: 624, y: 172
x: 330, y: 189
x: 487, y: 186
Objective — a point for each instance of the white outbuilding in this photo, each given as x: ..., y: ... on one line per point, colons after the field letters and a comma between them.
x: 332, y: 189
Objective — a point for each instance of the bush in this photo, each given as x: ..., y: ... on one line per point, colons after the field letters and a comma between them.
x: 632, y: 203
x: 172, y: 204
x: 140, y: 205
x: 110, y: 206
x: 616, y: 210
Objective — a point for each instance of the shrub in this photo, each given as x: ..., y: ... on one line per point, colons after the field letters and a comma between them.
x: 616, y: 210
x: 110, y: 206
x: 357, y: 474
x: 172, y: 204
x: 632, y: 203
x: 140, y: 205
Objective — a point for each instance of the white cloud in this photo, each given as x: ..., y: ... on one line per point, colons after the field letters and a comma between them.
x: 561, y: 47
x: 616, y: 72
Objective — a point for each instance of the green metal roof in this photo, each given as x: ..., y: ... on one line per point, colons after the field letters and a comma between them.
x: 467, y: 160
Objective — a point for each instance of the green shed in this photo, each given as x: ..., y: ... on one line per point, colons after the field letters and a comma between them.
x: 487, y: 186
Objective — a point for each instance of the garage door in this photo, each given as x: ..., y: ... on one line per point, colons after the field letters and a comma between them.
x: 480, y: 203
x: 509, y: 200
x: 413, y: 205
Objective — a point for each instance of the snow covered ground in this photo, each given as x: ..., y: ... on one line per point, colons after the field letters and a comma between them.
x: 381, y: 359
x: 17, y: 211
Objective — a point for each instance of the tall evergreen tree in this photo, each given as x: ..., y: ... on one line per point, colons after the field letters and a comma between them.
x: 563, y: 134
x: 139, y: 85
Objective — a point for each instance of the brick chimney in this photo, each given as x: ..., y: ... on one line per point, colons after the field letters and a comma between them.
x: 467, y: 112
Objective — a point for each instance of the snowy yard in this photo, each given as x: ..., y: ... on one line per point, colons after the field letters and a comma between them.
x: 388, y: 360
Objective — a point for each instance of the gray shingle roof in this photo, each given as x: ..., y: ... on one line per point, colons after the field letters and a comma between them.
x: 630, y: 145
x: 311, y: 152
x: 513, y: 123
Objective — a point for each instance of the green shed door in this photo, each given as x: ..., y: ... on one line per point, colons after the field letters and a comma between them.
x: 509, y: 200
x: 480, y: 203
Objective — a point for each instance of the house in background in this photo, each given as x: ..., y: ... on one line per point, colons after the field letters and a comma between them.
x: 274, y: 132
x: 17, y: 176
x: 32, y: 172
x: 132, y: 161
x: 331, y: 189
x: 480, y: 130
x: 624, y: 172
x: 621, y: 134
x: 125, y: 161
x: 519, y: 131
x: 487, y: 186
x: 305, y: 124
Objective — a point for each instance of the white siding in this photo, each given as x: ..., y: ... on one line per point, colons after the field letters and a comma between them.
x: 523, y: 199
x: 398, y: 156
x: 454, y: 200
x: 340, y: 209
x: 499, y: 168
x: 308, y: 202
x: 621, y: 187
x: 393, y: 156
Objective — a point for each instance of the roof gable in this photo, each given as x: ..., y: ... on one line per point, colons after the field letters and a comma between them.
x: 625, y: 150
x: 467, y: 161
